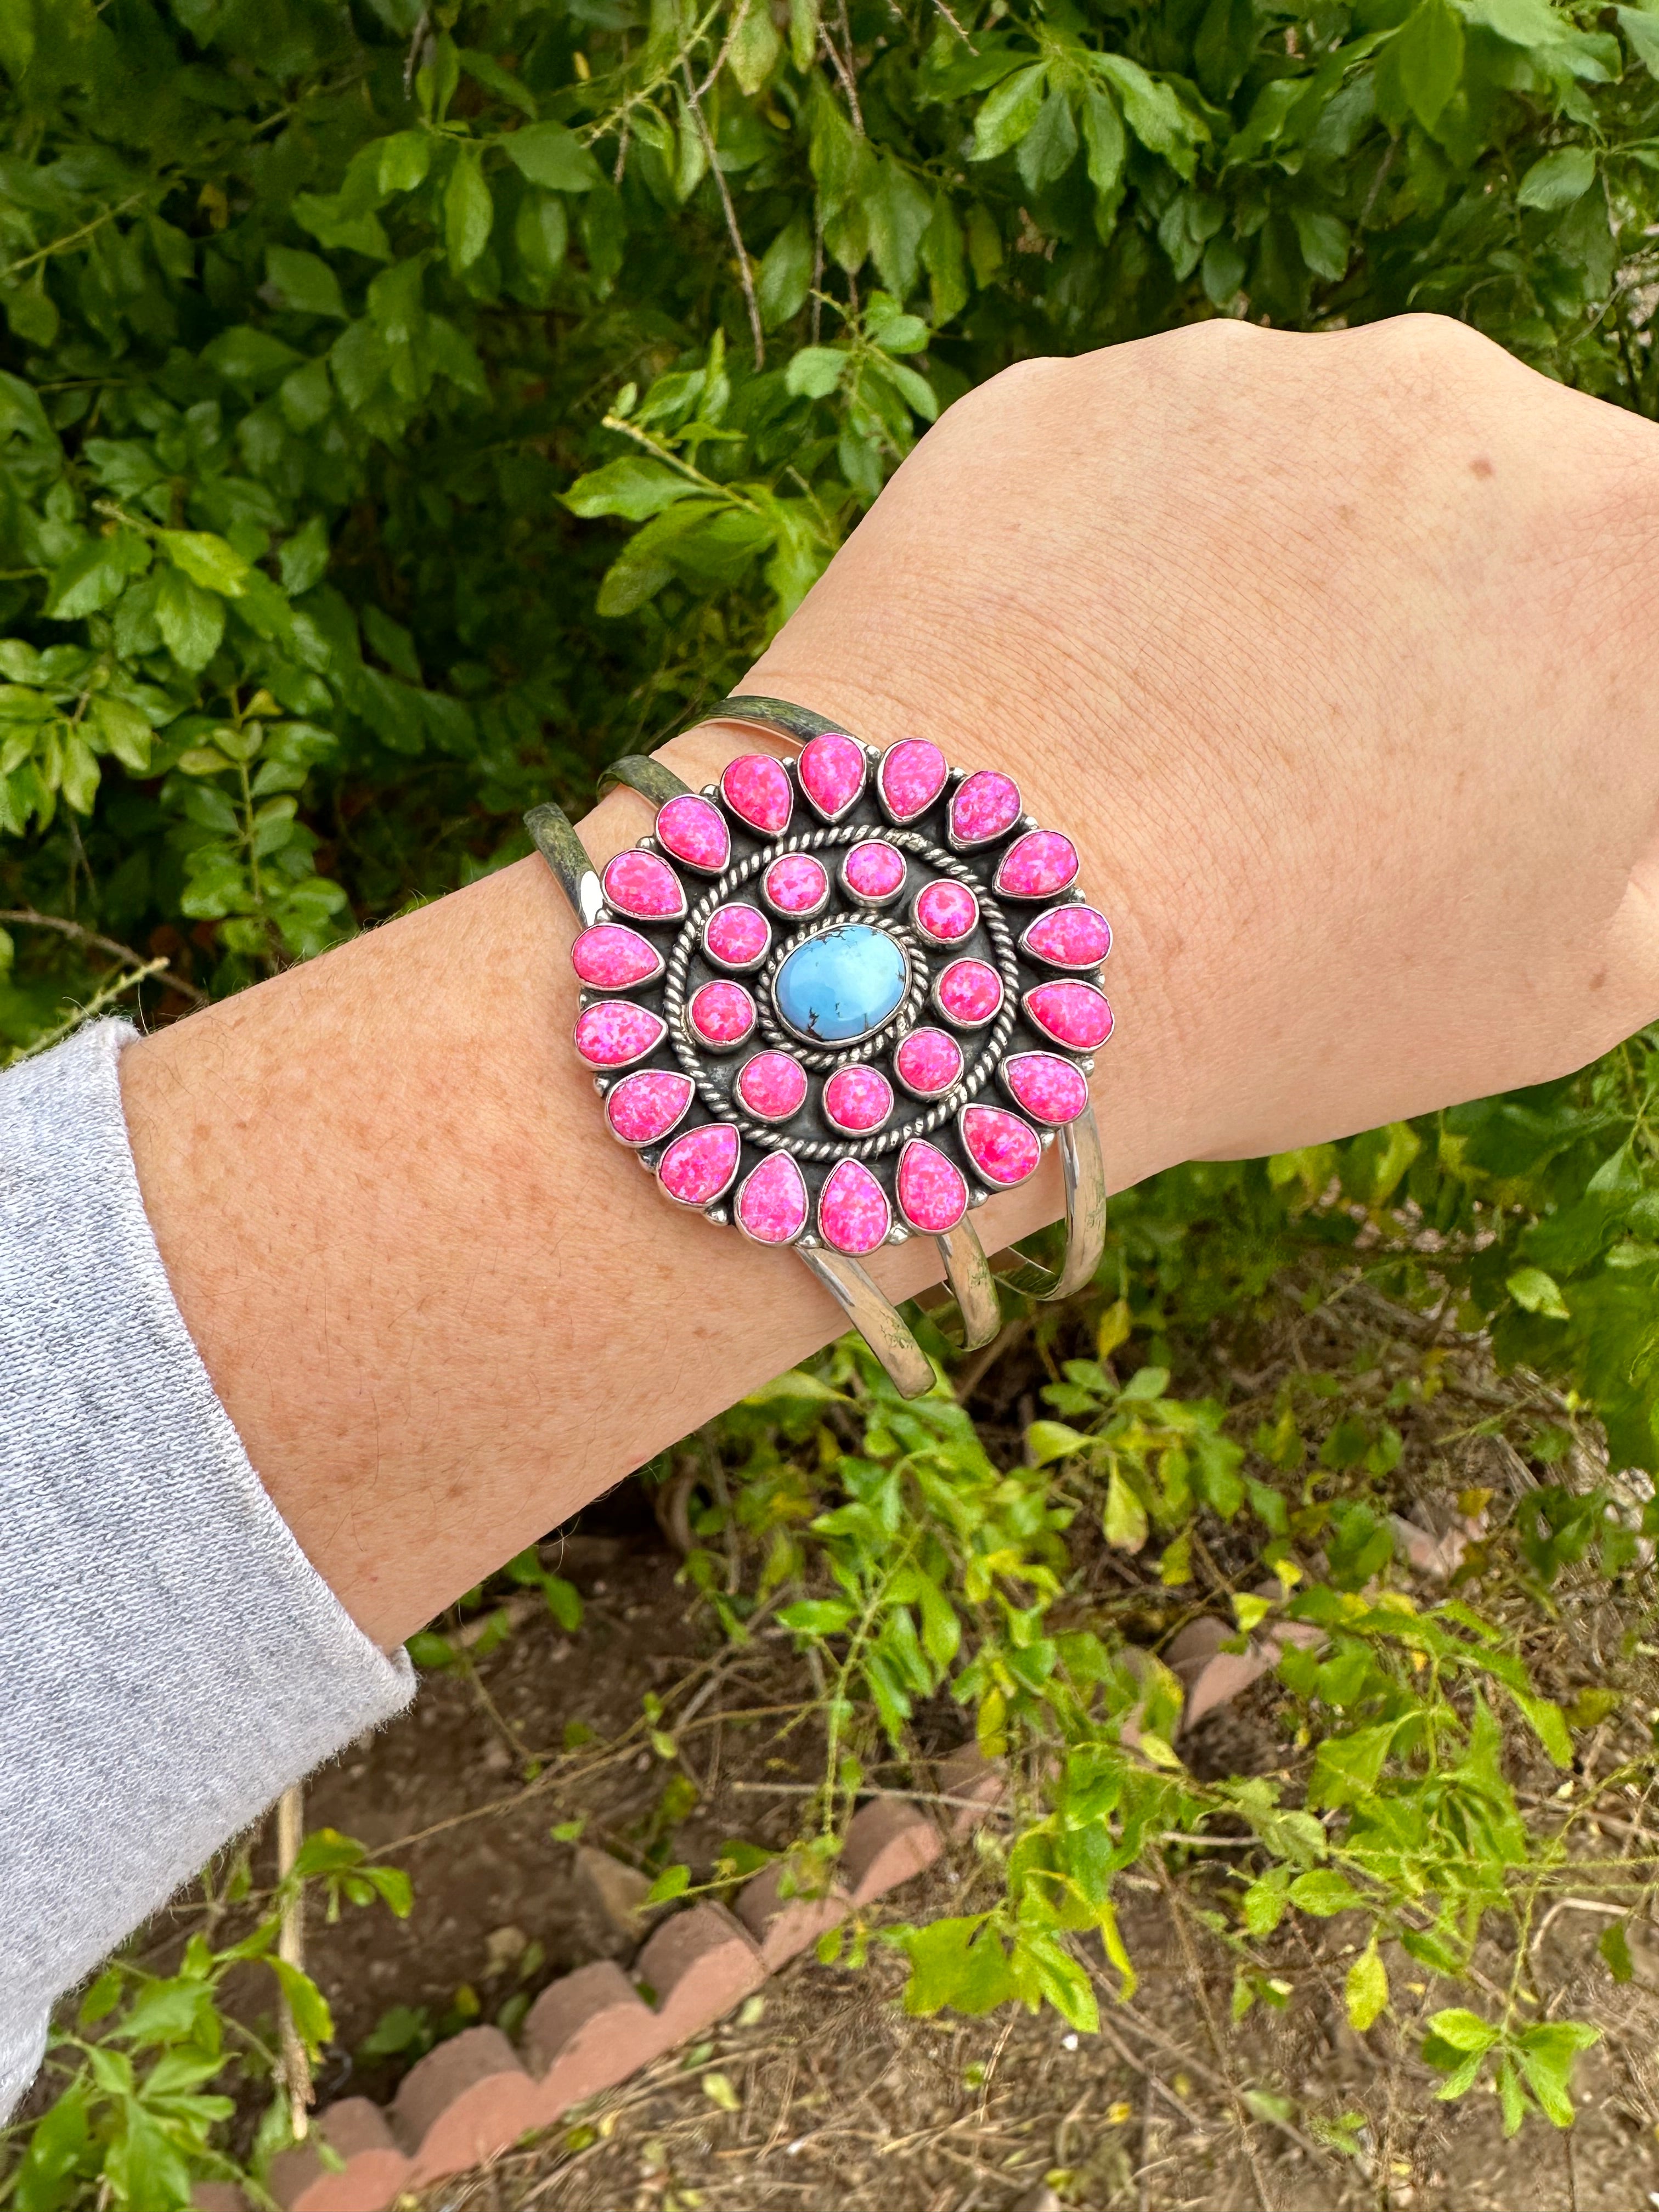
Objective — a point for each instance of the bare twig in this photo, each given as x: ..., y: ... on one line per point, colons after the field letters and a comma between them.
x: 25, y: 917
x: 1201, y: 1990
x: 746, y: 275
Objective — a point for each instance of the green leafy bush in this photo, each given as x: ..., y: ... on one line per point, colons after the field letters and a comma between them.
x: 406, y: 409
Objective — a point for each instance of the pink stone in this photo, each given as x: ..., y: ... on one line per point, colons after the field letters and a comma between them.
x: 694, y: 830
x: 644, y: 885
x: 756, y: 789
x: 969, y: 994
x: 1051, y: 1090
x: 854, y: 1214
x: 831, y: 769
x: 1074, y: 1014
x: 609, y: 957
x: 772, y: 1086
x: 932, y: 1193
x: 945, y: 912
x: 857, y: 1100
x: 911, y: 776
x: 737, y: 936
x: 647, y: 1106
x: 796, y: 885
x: 1005, y: 1149
x: 1069, y: 937
x: 613, y: 1034
x: 1036, y: 865
x: 983, y: 809
x: 874, y: 872
x: 723, y: 1014
x: 698, y: 1167
x: 772, y: 1204
x: 928, y: 1062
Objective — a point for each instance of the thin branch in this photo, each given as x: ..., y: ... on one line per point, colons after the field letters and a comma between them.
x: 25, y: 917
x: 852, y: 64
x: 743, y: 270
x: 291, y: 1949
x: 738, y: 22
x: 72, y: 237
x: 1201, y: 1990
x: 105, y: 997
x: 847, y: 85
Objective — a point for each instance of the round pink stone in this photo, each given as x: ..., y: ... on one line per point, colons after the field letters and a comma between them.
x: 858, y: 1099
x: 1005, y: 1149
x: 737, y: 936
x: 874, y: 872
x: 1037, y: 864
x: 723, y: 1014
x: 1051, y: 1090
x: 932, y: 1194
x: 928, y: 1062
x: 609, y: 957
x: 946, y: 911
x: 756, y: 789
x: 644, y: 885
x: 613, y: 1033
x: 969, y: 994
x: 772, y: 1204
x: 644, y: 1107
x: 831, y: 771
x: 698, y: 1167
x: 795, y: 885
x: 1069, y: 937
x: 694, y: 830
x: 1073, y: 1014
x: 911, y: 776
x: 772, y: 1086
x: 984, y: 808
x: 854, y: 1214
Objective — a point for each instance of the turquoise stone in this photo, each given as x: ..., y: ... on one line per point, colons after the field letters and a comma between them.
x: 842, y: 984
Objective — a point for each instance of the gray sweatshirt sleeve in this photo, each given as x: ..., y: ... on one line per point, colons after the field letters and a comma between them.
x: 171, y: 1660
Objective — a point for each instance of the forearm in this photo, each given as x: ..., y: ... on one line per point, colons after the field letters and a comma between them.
x: 441, y: 1305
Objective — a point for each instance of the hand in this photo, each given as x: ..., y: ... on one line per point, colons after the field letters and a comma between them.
x: 1332, y: 654
x: 1339, y: 650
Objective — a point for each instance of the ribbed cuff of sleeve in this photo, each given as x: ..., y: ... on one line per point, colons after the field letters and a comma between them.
x: 172, y: 1660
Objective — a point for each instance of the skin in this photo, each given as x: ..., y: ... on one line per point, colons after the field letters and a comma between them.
x: 1334, y: 655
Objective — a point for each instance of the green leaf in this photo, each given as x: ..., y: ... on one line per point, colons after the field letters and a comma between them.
x: 1557, y: 181
x: 57, y: 2145
x: 1426, y: 56
x: 313, y: 2020
x: 717, y: 2087
x: 191, y: 621
x: 815, y: 1616
x: 1322, y: 1892
x: 1049, y: 147
x: 123, y: 730
x: 302, y: 560
x: 1548, y: 1724
x: 1539, y: 1293
x: 485, y: 69
x: 1614, y: 1947
x: 305, y: 282
x: 96, y: 574
x: 1463, y: 2030
x: 206, y: 560
x: 636, y: 486
x: 1104, y: 138
x: 815, y: 371
x: 548, y: 154
x: 755, y: 50
x: 1366, y: 1990
x: 469, y: 211
x: 1546, y: 2055
x: 959, y: 1963
x: 673, y: 1882
x: 1009, y: 113
x: 786, y: 274
x: 1125, y: 1523
x: 1154, y: 112
x: 404, y: 160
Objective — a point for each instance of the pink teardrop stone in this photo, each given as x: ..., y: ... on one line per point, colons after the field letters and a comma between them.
x: 694, y: 830
x: 1037, y: 864
x: 854, y: 1214
x: 911, y: 776
x: 831, y: 770
x: 614, y: 1033
x: 928, y: 1062
x: 932, y: 1194
x: 772, y: 1204
x: 969, y: 994
x: 858, y: 1099
x: 984, y: 808
x: 795, y: 885
x: 698, y: 1167
x: 1073, y: 1014
x: 1005, y: 1149
x: 756, y: 789
x: 644, y: 1107
x: 609, y: 957
x: 1051, y: 1090
x: 723, y: 1014
x: 1069, y: 937
x: 737, y: 936
x: 946, y: 911
x: 644, y: 885
x: 874, y: 872
x: 772, y: 1086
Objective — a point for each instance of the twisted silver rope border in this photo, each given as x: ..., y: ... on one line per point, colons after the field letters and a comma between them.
x: 976, y: 1074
